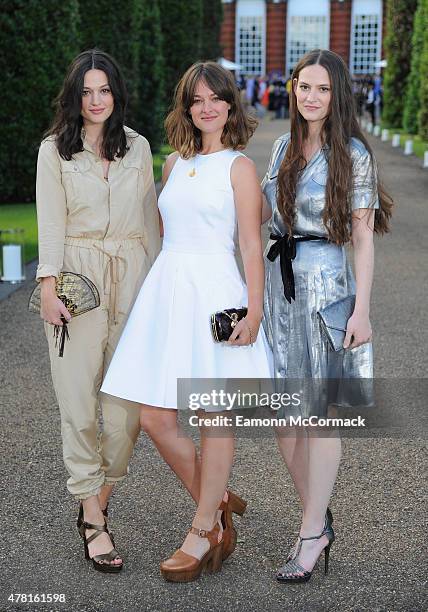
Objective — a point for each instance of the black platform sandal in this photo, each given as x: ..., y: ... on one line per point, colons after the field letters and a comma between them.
x: 293, y: 572
x: 327, y: 522
x: 102, y: 563
x: 79, y: 520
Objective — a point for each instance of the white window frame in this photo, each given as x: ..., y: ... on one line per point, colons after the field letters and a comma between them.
x: 305, y: 8
x: 366, y: 7
x: 250, y: 8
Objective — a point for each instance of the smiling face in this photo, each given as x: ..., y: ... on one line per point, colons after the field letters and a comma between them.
x: 209, y: 113
x: 97, y: 98
x: 313, y: 92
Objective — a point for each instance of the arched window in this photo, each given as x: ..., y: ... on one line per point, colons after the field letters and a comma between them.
x: 250, y: 36
x: 366, y: 36
x: 308, y: 27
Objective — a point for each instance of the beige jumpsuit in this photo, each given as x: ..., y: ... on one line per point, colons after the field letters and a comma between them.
x: 107, y: 230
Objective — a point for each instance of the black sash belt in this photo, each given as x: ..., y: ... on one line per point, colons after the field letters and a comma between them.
x: 285, y: 247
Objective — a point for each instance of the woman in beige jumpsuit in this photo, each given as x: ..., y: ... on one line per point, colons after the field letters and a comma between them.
x: 97, y: 216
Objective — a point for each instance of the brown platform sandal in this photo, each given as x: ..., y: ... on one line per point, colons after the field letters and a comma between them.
x: 102, y: 563
x: 182, y: 567
x: 234, y: 504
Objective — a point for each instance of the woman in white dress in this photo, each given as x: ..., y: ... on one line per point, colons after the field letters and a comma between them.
x: 210, y: 191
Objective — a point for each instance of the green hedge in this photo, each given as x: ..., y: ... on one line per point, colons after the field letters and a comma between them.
x: 38, y: 41
x: 181, y: 29
x: 423, y: 111
x: 412, y: 101
x: 154, y: 41
x: 399, y: 27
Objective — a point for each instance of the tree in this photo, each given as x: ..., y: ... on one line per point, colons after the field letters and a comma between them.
x: 423, y: 112
x: 150, y: 97
x: 399, y: 25
x: 412, y: 100
x: 39, y: 39
x: 181, y: 30
x: 211, y: 23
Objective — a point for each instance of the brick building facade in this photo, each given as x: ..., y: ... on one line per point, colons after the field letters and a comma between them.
x: 266, y: 36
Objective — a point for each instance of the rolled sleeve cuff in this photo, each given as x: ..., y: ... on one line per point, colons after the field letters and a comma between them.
x: 44, y: 270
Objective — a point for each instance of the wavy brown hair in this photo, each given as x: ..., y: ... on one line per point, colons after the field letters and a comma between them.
x: 339, y: 127
x: 183, y: 135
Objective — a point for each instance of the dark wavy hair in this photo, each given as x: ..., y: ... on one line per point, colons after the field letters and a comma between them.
x: 339, y: 127
x: 68, y: 122
x: 183, y: 135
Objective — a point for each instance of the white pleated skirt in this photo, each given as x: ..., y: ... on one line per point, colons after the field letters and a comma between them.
x: 168, y: 333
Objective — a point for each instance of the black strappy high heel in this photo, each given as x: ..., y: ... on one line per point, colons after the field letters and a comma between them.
x: 103, y: 562
x: 293, y: 572
x: 79, y: 520
x: 327, y: 521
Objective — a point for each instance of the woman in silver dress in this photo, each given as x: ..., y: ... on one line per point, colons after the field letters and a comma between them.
x: 322, y: 192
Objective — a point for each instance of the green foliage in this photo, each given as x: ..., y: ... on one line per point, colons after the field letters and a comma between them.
x: 399, y: 24
x: 149, y: 75
x: 114, y: 28
x: 423, y: 112
x: 211, y: 24
x: 181, y: 29
x: 38, y: 41
x: 412, y: 100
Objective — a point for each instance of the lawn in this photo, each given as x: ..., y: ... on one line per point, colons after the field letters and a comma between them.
x: 24, y: 215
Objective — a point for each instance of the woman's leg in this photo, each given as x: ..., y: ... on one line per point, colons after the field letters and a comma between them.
x: 217, y: 448
x: 177, y: 449
x: 323, y: 464
x: 294, y: 450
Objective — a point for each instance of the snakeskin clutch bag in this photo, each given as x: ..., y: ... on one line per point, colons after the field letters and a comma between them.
x: 334, y: 318
x: 223, y: 322
x: 76, y: 292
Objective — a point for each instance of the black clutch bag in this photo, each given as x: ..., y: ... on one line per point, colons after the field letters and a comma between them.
x: 334, y: 318
x: 223, y: 322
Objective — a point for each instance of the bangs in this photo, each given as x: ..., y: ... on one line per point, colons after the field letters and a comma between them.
x: 216, y: 80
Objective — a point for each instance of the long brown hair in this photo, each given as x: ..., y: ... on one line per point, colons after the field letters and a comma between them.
x: 68, y: 122
x: 339, y: 127
x: 183, y: 135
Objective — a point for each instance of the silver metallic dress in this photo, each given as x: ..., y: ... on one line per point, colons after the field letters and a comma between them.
x: 322, y: 275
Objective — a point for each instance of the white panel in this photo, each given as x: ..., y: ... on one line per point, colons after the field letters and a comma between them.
x: 250, y: 37
x: 308, y: 7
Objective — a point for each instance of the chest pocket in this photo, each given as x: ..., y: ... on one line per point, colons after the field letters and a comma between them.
x: 75, y: 175
x: 134, y: 176
x: 316, y: 187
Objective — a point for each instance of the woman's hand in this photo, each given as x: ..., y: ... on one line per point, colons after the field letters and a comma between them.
x: 241, y: 335
x: 51, y: 307
x: 358, y: 330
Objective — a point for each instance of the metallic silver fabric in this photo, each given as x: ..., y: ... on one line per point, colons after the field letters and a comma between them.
x: 322, y: 275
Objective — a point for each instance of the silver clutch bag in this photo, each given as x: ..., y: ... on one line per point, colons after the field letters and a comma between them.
x: 334, y: 318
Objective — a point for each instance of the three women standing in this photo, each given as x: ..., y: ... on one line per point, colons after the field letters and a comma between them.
x: 97, y: 216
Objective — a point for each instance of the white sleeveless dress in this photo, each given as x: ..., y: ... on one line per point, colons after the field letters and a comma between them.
x: 168, y: 333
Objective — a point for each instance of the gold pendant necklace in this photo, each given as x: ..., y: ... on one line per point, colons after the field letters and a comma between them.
x: 192, y: 172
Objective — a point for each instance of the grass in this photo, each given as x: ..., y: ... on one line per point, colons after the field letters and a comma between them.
x: 24, y: 215
x: 21, y: 216
x: 419, y: 145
